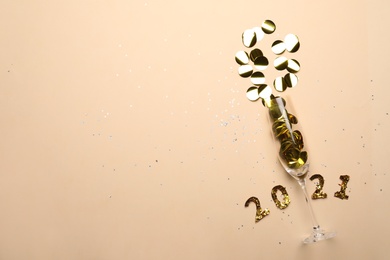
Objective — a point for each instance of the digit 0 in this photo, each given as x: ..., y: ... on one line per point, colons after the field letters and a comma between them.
x: 286, y: 198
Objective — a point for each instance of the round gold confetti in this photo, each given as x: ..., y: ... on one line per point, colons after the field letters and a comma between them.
x: 303, y: 158
x: 278, y: 47
x: 249, y: 38
x: 291, y: 80
x: 292, y: 119
x: 280, y: 63
x: 257, y: 78
x: 276, y: 104
x: 280, y: 129
x: 242, y: 58
x: 265, y: 91
x: 293, y: 66
x: 297, y: 162
x: 245, y: 71
x: 259, y: 33
x: 298, y: 139
x: 279, y: 84
x: 268, y: 26
x: 253, y: 93
x: 255, y: 53
x: 292, y: 42
x: 261, y: 63
x: 274, y: 112
x: 287, y: 145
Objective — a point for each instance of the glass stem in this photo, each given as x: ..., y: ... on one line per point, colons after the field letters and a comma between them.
x: 302, y: 183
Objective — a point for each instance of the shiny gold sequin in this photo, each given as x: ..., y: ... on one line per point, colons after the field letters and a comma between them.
x: 253, y: 93
x: 291, y: 80
x: 293, y: 66
x: 297, y: 162
x: 268, y: 26
x: 278, y: 47
x: 280, y: 128
x: 293, y: 119
x: 279, y: 84
x: 318, y: 193
x: 255, y: 53
x: 259, y: 33
x: 242, y: 58
x: 260, y: 213
x: 257, y: 78
x: 341, y: 194
x: 275, y: 103
x: 261, y: 63
x: 265, y: 91
x: 274, y: 110
x: 286, y: 198
x: 298, y: 139
x: 280, y: 63
x: 249, y: 38
x: 245, y: 71
x: 292, y: 42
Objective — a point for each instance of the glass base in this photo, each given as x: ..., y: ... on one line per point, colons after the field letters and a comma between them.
x: 318, y: 235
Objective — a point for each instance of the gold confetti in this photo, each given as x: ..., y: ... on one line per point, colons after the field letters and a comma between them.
x: 292, y: 42
x: 251, y: 63
x: 261, y: 63
x: 279, y: 84
x: 278, y: 47
x: 255, y: 53
x: 280, y: 63
x: 291, y: 80
x: 291, y: 141
x: 293, y: 66
x: 268, y: 26
x: 249, y: 38
x: 245, y: 71
x: 253, y: 93
x: 258, y: 78
x: 242, y: 58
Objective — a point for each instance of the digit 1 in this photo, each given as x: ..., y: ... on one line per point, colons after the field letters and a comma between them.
x: 260, y: 213
x: 341, y: 194
x: 318, y: 193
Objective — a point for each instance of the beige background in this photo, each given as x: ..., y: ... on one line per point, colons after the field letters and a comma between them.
x: 126, y: 133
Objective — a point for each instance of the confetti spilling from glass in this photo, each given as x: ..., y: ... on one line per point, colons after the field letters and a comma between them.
x: 292, y: 155
x: 254, y: 63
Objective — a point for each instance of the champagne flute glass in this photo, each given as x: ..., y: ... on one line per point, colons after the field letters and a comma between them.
x: 292, y: 155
